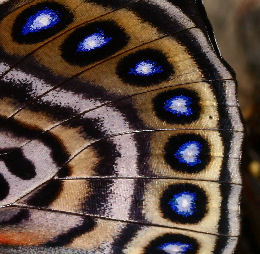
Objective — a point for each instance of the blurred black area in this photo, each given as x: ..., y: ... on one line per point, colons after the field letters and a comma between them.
x: 237, y: 29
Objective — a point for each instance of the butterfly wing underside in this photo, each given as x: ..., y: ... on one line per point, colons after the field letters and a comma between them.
x: 120, y: 129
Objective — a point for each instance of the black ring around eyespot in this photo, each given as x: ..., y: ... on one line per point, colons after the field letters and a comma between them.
x: 4, y: 188
x: 108, y: 36
x: 173, y: 152
x: 158, y: 68
x: 169, y: 203
x: 175, y: 117
x: 188, y: 244
x: 64, y: 15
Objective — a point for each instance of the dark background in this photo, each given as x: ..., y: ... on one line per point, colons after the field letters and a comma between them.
x: 237, y: 28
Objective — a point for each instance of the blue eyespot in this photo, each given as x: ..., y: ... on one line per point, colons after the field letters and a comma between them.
x: 184, y: 203
x: 179, y: 105
x: 146, y: 68
x: 175, y: 248
x: 94, y: 41
x: 189, y: 153
x: 172, y: 244
x: 41, y: 20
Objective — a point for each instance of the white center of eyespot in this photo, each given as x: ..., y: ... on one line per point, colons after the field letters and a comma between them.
x: 175, y: 248
x: 179, y: 105
x: 94, y: 41
x: 191, y: 153
x: 42, y: 21
x: 144, y: 68
x: 184, y: 203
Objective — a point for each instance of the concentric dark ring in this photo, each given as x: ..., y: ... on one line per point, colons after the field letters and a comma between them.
x: 184, y: 203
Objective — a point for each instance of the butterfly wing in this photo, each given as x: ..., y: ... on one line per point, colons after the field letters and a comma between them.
x: 120, y: 129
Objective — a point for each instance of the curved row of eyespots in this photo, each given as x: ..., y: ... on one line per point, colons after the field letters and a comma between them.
x: 183, y: 203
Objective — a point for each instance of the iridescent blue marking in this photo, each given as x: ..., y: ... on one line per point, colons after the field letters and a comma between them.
x: 183, y: 203
x: 175, y: 248
x: 189, y: 152
x: 94, y: 41
x: 41, y: 20
x: 146, y: 68
x: 179, y: 105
